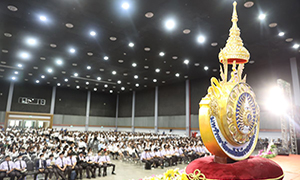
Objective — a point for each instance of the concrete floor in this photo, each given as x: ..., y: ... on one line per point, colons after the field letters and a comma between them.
x: 131, y: 171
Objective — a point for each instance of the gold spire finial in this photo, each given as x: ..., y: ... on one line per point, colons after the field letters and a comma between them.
x: 234, y: 49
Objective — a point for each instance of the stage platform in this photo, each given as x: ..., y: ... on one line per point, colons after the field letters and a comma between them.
x: 290, y: 165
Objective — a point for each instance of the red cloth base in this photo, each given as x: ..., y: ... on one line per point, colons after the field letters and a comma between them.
x: 252, y: 168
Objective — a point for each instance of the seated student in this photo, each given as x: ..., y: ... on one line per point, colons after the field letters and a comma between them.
x: 61, y: 166
x: 158, y: 161
x: 41, y: 167
x: 72, y: 165
x: 106, y: 163
x: 50, y: 167
x: 20, y: 168
x: 90, y: 159
x: 7, y: 168
x: 82, y: 164
x: 23, y: 151
x: 98, y: 163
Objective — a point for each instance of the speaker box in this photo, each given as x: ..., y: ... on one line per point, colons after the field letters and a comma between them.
x: 283, y: 151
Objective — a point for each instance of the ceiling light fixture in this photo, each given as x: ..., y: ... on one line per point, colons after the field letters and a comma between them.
x: 197, y: 64
x: 170, y: 24
x: 89, y: 53
x: 186, y: 31
x: 248, y: 4
x: 24, y: 55
x: 53, y: 45
x: 289, y: 39
x: 147, y: 48
x: 125, y: 5
x: 31, y: 41
x: 201, y: 39
x: 42, y: 76
x: 13, y: 78
x: 119, y: 82
x: 122, y: 88
x: 136, y: 76
x: 149, y: 15
x: 214, y: 44
x: 130, y: 44
x: 112, y: 38
x: 177, y: 74
x: 105, y: 58
x: 87, y: 83
x: 37, y: 81
x: 272, y: 25
x: 16, y: 72
x: 186, y: 61
x: 262, y: 16
x: 154, y: 80
x: 20, y: 65
x: 72, y: 50
x: 161, y: 53
x: 58, y: 84
x: 93, y: 33
x: 95, y: 89
x: 7, y: 34
x: 281, y: 34
x: 206, y: 68
x: 296, y: 46
x: 75, y: 74
x: 69, y: 25
x: 134, y: 64
x: 157, y: 70
x: 114, y: 72
x: 59, y: 62
x: 120, y: 61
x: 66, y: 80
x: 88, y: 67
x: 111, y: 91
x: 49, y: 70
x: 77, y: 87
x: 137, y: 85
x: 12, y: 8
x: 105, y: 85
x: 43, y: 18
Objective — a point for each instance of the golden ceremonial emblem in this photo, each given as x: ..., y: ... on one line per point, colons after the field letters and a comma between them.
x: 229, y: 114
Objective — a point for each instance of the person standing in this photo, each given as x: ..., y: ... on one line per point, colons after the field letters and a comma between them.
x: 106, y: 163
x: 7, y: 169
x: 20, y: 168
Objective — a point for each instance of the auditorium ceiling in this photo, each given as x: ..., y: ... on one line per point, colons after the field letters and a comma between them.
x: 124, y: 45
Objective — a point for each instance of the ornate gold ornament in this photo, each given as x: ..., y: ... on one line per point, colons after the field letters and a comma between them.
x: 229, y: 113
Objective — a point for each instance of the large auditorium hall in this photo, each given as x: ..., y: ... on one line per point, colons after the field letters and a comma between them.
x: 149, y: 89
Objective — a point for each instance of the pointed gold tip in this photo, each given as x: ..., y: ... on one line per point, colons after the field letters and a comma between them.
x: 234, y: 49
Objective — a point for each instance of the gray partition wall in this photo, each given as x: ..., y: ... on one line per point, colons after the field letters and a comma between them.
x: 144, y: 108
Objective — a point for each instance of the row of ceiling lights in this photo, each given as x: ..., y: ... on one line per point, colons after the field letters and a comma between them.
x: 170, y: 24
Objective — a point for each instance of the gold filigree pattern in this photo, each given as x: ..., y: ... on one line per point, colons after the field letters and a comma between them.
x: 197, y: 175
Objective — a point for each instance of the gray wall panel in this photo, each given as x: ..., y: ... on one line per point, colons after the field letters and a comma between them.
x: 198, y: 90
x: 171, y: 121
x: 70, y: 101
x: 74, y: 120
x: 144, y: 102
x: 124, y: 121
x: 2, y: 116
x: 144, y: 121
x: 102, y: 121
x: 58, y: 119
x: 194, y: 121
x: 31, y: 91
x: 171, y: 100
x: 103, y: 104
x: 125, y: 104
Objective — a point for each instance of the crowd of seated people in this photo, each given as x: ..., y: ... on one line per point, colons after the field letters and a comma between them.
x: 69, y: 155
